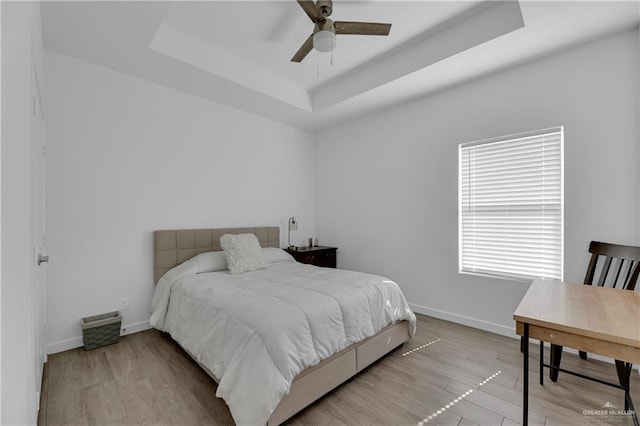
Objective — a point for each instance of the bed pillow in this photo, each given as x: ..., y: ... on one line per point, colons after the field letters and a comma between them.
x: 243, y: 253
x: 211, y: 261
x: 274, y: 255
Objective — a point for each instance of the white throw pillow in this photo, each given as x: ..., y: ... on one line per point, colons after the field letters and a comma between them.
x: 274, y: 255
x: 243, y: 253
x: 211, y: 261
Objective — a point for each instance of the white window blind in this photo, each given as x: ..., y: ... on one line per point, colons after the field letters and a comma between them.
x: 511, y: 206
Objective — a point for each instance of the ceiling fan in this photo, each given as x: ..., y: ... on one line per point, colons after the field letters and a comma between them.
x: 323, y: 38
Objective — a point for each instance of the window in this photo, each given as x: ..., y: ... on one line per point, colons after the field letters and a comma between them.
x: 511, y: 205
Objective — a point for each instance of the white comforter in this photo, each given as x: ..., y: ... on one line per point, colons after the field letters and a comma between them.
x: 256, y: 331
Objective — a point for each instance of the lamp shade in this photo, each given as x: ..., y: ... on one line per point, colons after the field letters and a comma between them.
x: 324, y: 41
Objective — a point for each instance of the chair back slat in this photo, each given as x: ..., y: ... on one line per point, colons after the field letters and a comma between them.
x: 605, y: 271
x: 591, y: 269
x: 631, y: 283
x: 620, y: 263
x: 626, y: 268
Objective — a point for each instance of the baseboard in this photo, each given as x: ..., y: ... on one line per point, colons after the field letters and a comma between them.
x: 64, y: 345
x: 492, y: 327
x: 76, y: 342
x: 135, y: 327
x: 500, y: 329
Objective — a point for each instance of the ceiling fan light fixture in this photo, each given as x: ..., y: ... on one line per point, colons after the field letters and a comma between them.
x: 324, y: 41
x: 323, y: 37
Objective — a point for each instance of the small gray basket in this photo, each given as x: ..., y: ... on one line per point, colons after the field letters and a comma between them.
x: 101, y: 330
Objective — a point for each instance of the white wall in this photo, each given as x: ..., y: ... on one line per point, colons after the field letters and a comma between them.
x: 21, y: 49
x: 387, y: 194
x: 126, y: 157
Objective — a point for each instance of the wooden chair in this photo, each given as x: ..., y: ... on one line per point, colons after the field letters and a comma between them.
x: 620, y: 270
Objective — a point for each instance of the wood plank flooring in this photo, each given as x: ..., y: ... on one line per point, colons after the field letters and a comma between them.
x: 147, y: 379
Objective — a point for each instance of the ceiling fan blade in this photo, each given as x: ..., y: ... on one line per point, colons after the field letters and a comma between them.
x: 312, y: 10
x: 362, y: 28
x: 304, y: 50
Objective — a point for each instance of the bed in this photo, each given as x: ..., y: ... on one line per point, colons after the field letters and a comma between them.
x: 324, y: 325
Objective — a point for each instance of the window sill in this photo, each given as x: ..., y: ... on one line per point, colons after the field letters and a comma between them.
x: 514, y: 278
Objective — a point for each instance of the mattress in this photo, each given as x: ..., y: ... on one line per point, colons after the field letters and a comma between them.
x: 256, y: 331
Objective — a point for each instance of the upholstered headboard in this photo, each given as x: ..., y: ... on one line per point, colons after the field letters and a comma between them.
x: 172, y: 247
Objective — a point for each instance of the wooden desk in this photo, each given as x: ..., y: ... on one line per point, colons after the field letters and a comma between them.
x: 594, y: 319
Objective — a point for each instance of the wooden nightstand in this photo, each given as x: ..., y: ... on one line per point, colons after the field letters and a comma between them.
x: 319, y: 256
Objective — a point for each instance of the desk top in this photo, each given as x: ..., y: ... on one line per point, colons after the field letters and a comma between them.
x: 606, y: 314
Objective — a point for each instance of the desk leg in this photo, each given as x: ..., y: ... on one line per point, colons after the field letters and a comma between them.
x: 525, y: 378
x: 541, y: 363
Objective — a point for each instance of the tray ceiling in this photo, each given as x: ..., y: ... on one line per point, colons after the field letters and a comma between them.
x: 237, y: 52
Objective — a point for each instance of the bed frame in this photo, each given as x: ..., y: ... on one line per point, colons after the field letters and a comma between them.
x: 172, y: 247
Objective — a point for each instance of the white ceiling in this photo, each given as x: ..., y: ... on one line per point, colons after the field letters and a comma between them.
x: 238, y: 52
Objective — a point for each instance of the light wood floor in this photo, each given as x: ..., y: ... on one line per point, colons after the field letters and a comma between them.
x: 147, y: 379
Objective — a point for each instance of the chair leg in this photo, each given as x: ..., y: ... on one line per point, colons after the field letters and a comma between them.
x: 583, y: 355
x: 624, y: 376
x: 555, y: 356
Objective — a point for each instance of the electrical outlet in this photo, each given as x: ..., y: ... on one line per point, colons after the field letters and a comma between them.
x: 124, y: 304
